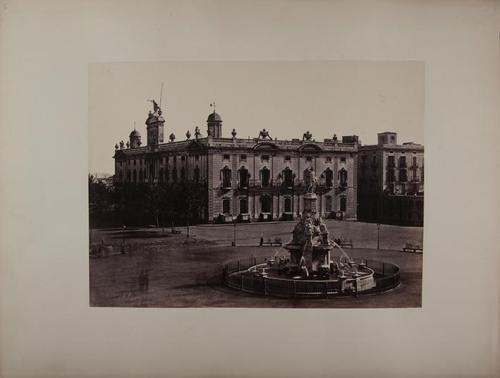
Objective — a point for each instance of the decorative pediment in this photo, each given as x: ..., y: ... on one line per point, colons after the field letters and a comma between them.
x: 309, y: 147
x: 265, y: 146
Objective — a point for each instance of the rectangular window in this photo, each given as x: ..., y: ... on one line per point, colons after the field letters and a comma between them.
x: 403, y: 175
x: 309, y: 158
x: 342, y: 160
x: 264, y: 157
x: 183, y: 158
x: 226, y: 206
x: 288, y: 158
x: 328, y: 204
x: 329, y: 159
x: 390, y: 162
x: 390, y: 176
x: 197, y: 157
x: 243, y: 157
x: 343, y: 204
x: 243, y: 206
x: 226, y: 157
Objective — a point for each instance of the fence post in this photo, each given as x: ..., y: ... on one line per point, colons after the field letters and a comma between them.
x: 265, y: 286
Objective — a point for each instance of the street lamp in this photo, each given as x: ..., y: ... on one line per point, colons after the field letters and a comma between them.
x: 234, y: 231
x: 378, y: 236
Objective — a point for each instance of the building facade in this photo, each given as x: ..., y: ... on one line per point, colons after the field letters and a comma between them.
x: 391, y: 181
x: 251, y: 179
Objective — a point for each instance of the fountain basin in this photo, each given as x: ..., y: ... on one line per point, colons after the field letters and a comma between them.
x: 246, y: 275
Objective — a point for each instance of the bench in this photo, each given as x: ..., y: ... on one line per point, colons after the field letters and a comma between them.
x: 101, y: 250
x: 347, y: 244
x: 276, y: 242
x: 414, y: 248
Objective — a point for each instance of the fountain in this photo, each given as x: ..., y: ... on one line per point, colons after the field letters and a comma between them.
x: 310, y: 269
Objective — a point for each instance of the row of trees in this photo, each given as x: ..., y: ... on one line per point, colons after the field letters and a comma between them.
x: 142, y: 204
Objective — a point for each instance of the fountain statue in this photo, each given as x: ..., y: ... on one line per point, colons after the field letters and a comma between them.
x: 310, y: 244
x: 310, y: 269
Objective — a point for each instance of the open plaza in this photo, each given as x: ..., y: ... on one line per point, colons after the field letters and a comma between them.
x: 155, y: 267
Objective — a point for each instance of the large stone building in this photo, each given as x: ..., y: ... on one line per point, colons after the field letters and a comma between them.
x: 391, y: 181
x: 256, y: 179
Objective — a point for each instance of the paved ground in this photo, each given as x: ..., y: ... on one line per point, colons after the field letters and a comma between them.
x: 184, y: 272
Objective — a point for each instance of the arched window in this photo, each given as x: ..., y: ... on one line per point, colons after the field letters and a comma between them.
x: 265, y: 175
x: 243, y: 177
x: 343, y: 178
x: 287, y: 177
x: 226, y: 177
x: 329, y: 177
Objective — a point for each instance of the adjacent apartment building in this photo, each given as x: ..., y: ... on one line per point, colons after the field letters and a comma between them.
x: 391, y: 181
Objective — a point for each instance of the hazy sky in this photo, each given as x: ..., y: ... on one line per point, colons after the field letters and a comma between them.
x: 286, y: 98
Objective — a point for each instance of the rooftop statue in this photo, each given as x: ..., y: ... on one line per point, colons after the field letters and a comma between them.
x: 307, y: 136
x: 264, y: 134
x: 156, y: 107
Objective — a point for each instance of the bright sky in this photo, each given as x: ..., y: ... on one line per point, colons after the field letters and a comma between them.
x: 286, y: 98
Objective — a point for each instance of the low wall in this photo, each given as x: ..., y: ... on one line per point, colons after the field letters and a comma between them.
x: 386, y: 277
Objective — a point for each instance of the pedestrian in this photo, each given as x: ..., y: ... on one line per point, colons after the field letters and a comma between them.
x: 146, y: 281
x: 141, y: 280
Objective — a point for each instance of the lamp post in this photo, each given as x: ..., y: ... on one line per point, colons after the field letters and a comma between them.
x: 234, y: 231
x: 378, y: 236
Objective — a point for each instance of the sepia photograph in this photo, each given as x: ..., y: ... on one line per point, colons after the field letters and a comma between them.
x: 235, y: 189
x: 252, y: 184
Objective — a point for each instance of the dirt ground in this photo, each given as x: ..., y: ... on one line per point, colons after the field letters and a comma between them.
x: 185, y: 272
